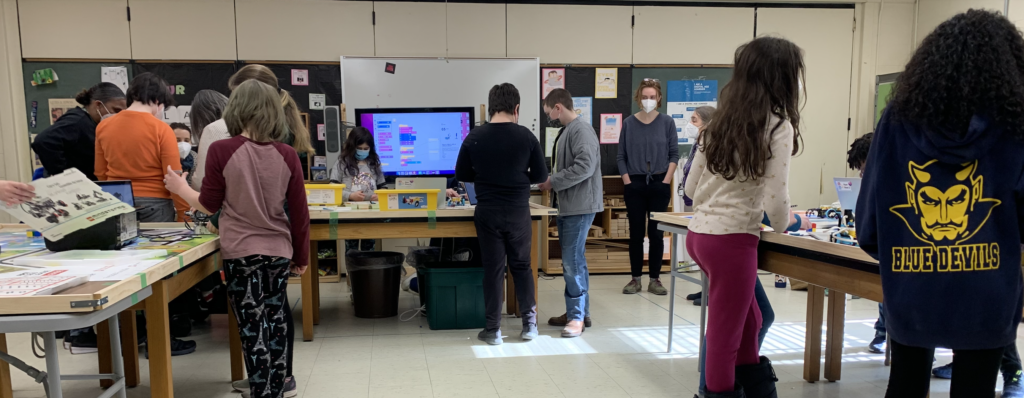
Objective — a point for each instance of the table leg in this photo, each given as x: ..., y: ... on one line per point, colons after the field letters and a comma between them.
x: 235, y: 347
x: 812, y: 341
x: 130, y: 347
x: 6, y: 390
x: 52, y: 365
x: 103, y: 352
x: 307, y: 295
x: 158, y: 331
x: 316, y: 292
x: 834, y: 338
x: 115, y: 353
x: 671, y: 295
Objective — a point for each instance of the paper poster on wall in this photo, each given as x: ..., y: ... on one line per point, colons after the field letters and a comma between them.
x: 550, y: 134
x: 300, y: 77
x: 316, y: 101
x: 611, y: 125
x: 605, y: 84
x: 553, y: 78
x: 321, y: 132
x: 118, y: 75
x: 686, y: 95
x: 60, y: 106
x: 170, y: 115
x: 584, y: 107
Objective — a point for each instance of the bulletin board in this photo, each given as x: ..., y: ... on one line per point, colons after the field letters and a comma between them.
x: 72, y: 78
x: 320, y: 79
x: 188, y: 78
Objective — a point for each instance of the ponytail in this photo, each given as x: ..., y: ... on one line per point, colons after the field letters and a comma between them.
x: 102, y: 92
x: 298, y: 129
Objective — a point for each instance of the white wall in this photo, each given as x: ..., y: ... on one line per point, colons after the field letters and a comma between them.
x: 266, y: 29
x: 599, y: 34
x: 699, y: 35
x: 930, y: 13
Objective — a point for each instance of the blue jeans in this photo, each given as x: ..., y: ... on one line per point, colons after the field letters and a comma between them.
x: 572, y: 235
x: 767, y: 318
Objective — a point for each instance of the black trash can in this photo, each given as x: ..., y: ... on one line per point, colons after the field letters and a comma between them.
x: 376, y: 281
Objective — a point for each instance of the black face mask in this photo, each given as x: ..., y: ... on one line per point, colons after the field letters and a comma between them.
x: 555, y: 123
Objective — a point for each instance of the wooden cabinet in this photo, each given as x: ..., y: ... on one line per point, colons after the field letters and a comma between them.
x: 96, y: 29
x: 183, y: 29
x: 409, y: 29
x: 690, y: 35
x: 303, y: 30
x: 598, y: 34
x: 476, y: 30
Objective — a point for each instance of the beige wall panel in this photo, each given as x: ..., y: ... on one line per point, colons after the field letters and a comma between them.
x: 895, y: 37
x: 303, y: 30
x: 826, y: 36
x: 599, y: 34
x: 55, y: 29
x: 410, y: 29
x: 476, y: 30
x: 690, y: 35
x: 930, y: 13
x: 183, y: 29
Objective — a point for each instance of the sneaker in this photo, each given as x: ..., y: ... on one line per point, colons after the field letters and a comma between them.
x: 1012, y: 386
x: 656, y: 288
x: 529, y: 332
x: 84, y: 342
x: 698, y: 301
x: 492, y: 338
x: 944, y: 371
x: 877, y: 346
x: 240, y: 385
x: 694, y: 296
x: 290, y: 388
x: 181, y: 326
x: 180, y: 347
x: 633, y: 287
x: 563, y: 320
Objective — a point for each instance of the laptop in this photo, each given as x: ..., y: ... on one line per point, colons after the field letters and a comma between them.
x: 470, y: 192
x: 848, y: 188
x: 121, y: 189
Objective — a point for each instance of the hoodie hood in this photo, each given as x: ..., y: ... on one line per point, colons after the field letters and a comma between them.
x: 952, y: 146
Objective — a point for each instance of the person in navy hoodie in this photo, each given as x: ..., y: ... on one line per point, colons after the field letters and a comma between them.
x: 942, y: 204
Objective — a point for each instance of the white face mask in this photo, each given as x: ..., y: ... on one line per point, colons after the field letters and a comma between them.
x: 106, y: 115
x: 649, y: 105
x: 183, y: 149
x: 690, y: 131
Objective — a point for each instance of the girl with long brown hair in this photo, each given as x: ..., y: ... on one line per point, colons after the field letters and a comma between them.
x: 739, y: 173
x: 298, y: 133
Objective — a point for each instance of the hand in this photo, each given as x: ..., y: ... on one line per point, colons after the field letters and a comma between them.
x: 357, y: 196
x: 546, y: 185
x: 625, y: 179
x: 212, y: 229
x: 667, y: 181
x: 174, y: 182
x: 451, y: 193
x: 373, y: 198
x: 805, y: 223
x: 298, y: 269
x: 13, y: 192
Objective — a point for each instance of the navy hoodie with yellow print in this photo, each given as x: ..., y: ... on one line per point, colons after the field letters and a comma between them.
x: 943, y: 214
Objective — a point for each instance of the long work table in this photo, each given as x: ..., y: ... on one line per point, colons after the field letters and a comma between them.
x: 823, y: 265
x: 189, y: 259
x: 376, y: 224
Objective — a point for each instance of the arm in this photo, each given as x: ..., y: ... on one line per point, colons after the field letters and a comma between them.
x: 776, y: 176
x: 168, y: 148
x: 101, y: 160
x: 49, y: 146
x: 298, y: 213
x: 621, y: 157
x: 673, y: 150
x: 587, y: 151
x: 205, y: 141
x: 538, y: 166
x: 464, y: 164
x: 696, y: 171
x: 342, y: 177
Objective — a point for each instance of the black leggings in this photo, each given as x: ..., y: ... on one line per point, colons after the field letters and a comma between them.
x: 974, y: 372
x: 642, y: 198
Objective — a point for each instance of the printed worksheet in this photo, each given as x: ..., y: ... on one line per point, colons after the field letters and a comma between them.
x: 65, y: 203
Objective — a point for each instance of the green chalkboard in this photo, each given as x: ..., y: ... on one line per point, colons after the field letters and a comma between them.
x: 666, y: 74
x: 72, y: 78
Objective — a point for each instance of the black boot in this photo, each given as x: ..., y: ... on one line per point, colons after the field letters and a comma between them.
x: 737, y: 393
x: 758, y: 380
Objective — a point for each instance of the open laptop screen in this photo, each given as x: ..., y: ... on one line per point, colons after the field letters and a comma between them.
x: 121, y: 189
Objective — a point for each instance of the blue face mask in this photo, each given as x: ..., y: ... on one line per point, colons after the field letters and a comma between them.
x: 362, y: 154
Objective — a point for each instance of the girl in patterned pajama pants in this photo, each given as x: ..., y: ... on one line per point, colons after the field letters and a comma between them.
x: 257, y: 288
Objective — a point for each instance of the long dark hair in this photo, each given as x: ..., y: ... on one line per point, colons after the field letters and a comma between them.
x: 973, y: 63
x: 765, y: 81
x: 347, y: 161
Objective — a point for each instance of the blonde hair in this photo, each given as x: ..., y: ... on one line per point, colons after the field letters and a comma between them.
x: 297, y: 128
x: 652, y: 83
x: 255, y: 107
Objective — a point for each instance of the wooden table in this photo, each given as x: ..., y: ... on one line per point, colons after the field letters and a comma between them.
x: 190, y: 259
x: 823, y: 265
x: 375, y: 224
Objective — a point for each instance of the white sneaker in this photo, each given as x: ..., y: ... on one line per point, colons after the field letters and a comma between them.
x: 241, y: 385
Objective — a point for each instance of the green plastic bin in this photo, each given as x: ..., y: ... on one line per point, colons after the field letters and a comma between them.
x: 454, y: 297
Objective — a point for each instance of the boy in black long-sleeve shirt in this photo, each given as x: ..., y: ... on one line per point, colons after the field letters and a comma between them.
x: 503, y: 158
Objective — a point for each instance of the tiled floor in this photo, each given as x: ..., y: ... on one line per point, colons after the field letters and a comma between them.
x: 623, y: 355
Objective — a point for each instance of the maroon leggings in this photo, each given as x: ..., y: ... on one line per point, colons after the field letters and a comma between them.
x: 730, y: 261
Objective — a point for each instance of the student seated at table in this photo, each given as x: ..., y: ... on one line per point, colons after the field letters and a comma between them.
x: 940, y: 204
x: 260, y: 243
x: 360, y: 170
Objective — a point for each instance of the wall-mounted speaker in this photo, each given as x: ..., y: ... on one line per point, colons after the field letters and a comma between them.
x: 335, y: 134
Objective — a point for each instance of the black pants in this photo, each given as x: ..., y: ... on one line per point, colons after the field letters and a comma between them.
x: 256, y: 287
x: 974, y: 372
x: 505, y: 238
x: 642, y: 198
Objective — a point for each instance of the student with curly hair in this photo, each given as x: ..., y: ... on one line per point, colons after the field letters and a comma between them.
x: 941, y: 204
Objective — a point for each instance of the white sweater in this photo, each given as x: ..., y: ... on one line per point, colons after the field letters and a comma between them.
x: 216, y: 131
x: 724, y: 207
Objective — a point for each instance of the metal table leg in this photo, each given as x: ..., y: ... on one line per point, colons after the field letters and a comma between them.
x: 115, y: 348
x: 52, y: 364
x: 673, y: 264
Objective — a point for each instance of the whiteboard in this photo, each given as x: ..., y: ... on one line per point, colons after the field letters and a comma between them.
x: 439, y: 82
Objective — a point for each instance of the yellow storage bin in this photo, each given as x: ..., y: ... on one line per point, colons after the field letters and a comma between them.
x: 407, y: 199
x: 324, y: 194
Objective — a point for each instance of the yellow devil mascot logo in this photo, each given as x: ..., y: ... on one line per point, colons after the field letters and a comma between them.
x: 944, y: 209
